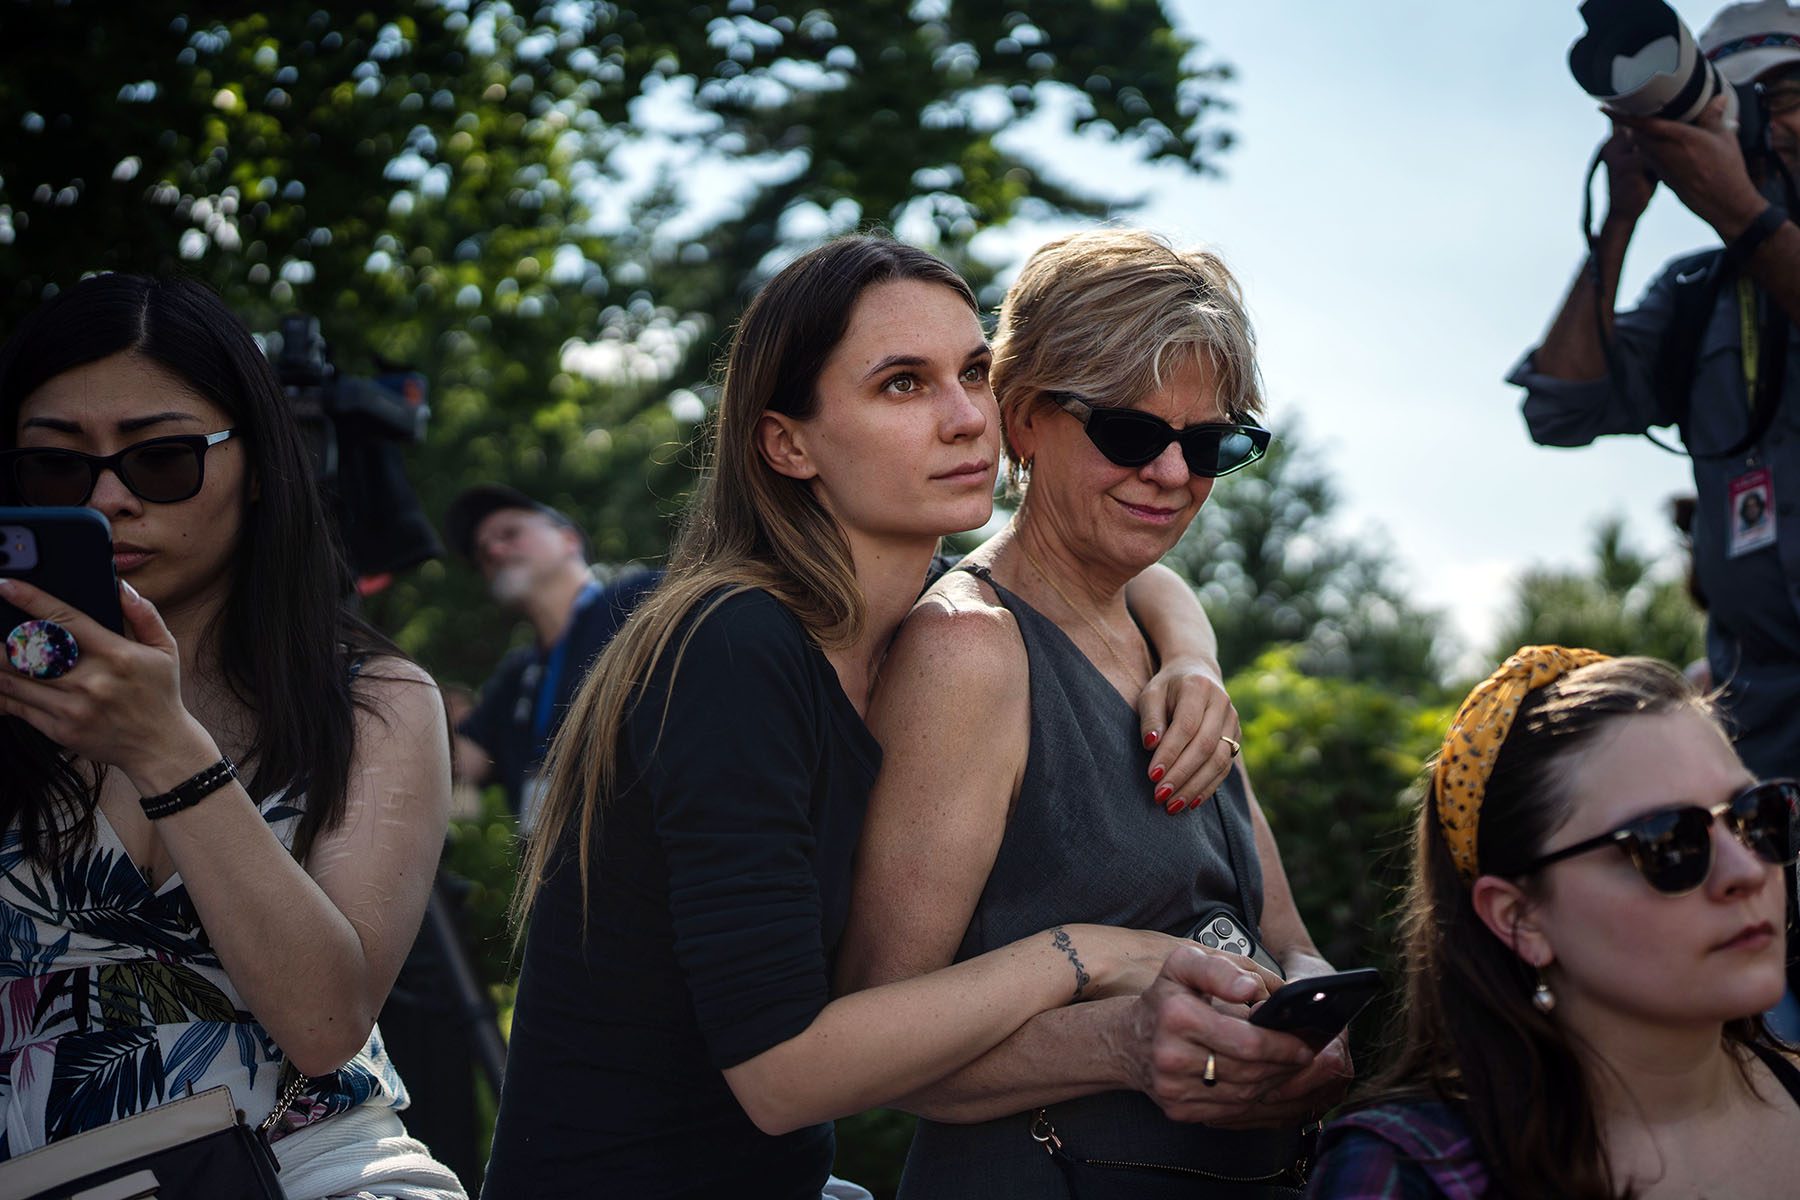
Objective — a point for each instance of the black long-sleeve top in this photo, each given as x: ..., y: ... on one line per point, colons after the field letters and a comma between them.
x: 718, y: 890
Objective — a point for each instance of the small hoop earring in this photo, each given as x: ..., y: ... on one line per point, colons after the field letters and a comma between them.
x: 1544, y: 1000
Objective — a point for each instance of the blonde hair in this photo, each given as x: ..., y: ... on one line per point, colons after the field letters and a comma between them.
x: 748, y: 527
x: 1106, y: 313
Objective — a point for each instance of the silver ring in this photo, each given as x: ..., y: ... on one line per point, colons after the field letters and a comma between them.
x: 1210, y: 1076
x: 1235, y: 745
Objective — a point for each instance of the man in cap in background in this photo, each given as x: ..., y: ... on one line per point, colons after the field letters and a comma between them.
x: 535, y: 563
x: 1695, y: 353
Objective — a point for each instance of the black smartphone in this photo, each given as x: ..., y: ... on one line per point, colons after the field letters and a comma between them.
x: 1316, y: 1010
x: 66, y: 552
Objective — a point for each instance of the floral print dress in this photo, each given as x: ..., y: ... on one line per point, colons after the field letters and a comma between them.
x: 113, y: 1001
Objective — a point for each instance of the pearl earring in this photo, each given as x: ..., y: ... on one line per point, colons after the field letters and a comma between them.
x: 1543, y: 999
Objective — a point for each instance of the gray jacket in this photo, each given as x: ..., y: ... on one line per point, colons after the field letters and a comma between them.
x: 1753, y: 621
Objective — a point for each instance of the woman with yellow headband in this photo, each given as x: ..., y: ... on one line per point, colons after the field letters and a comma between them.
x: 1594, y: 927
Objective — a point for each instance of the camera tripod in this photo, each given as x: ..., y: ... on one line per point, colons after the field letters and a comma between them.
x: 440, y: 1026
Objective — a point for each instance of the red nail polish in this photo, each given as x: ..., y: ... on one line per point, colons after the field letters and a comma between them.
x: 1175, y: 807
x: 1163, y: 793
x: 1156, y: 773
x: 1151, y: 738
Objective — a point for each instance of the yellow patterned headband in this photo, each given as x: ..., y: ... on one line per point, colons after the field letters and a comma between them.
x: 1473, y: 743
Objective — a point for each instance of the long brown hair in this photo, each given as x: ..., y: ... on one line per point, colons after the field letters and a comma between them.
x: 748, y: 527
x: 1468, y: 1034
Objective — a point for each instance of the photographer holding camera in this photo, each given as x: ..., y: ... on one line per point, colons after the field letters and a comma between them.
x: 1708, y: 347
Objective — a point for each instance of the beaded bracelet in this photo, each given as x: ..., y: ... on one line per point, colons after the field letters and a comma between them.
x: 190, y: 791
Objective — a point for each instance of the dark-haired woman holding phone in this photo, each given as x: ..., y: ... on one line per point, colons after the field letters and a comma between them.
x: 219, y: 829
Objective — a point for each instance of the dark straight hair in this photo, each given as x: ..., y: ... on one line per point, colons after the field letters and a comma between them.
x: 286, y: 638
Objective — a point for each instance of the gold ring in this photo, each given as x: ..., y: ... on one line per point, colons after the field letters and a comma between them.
x: 1233, y: 743
x: 1210, y: 1076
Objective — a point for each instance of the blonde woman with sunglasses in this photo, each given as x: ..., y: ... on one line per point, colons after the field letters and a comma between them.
x: 1595, y: 923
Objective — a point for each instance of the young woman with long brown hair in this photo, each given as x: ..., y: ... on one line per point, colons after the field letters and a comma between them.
x: 1594, y: 926
x: 675, y: 1033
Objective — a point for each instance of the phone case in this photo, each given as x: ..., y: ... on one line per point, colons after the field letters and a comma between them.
x: 1220, y: 929
x: 74, y: 562
x: 1316, y: 1010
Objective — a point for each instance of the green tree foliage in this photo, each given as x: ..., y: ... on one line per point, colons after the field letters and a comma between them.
x: 451, y: 185
x: 1336, y: 764
x: 1272, y: 571
x: 1620, y: 605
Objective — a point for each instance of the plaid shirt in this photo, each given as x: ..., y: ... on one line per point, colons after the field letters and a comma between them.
x: 1420, y: 1151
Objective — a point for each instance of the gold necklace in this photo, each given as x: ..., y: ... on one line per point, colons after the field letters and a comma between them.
x: 1130, y: 672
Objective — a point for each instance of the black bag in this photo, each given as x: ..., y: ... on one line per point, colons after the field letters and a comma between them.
x: 195, y: 1148
x: 1103, y: 1179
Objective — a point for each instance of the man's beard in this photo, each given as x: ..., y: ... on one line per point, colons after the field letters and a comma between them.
x: 510, y: 585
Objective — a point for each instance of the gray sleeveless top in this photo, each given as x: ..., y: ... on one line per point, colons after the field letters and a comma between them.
x: 1086, y: 844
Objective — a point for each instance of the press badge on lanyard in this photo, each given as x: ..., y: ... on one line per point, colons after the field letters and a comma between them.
x: 1750, y: 514
x: 1750, y: 498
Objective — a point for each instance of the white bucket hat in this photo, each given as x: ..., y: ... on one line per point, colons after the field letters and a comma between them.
x: 1745, y: 40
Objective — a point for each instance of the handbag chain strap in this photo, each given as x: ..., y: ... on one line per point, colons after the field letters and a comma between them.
x: 289, y: 1094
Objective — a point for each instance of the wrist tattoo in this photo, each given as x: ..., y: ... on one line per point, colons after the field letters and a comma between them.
x: 1061, y: 940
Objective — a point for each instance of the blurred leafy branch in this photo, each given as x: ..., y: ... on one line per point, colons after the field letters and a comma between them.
x: 555, y: 211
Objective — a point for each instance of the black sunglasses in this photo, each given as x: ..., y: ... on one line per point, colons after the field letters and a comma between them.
x: 162, y: 470
x: 1132, y: 438
x: 1673, y: 849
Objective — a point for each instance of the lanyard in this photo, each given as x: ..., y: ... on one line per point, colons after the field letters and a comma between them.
x: 545, y: 707
x: 1749, y: 337
x: 1765, y: 369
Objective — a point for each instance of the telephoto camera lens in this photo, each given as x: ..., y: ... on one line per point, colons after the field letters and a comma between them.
x: 1637, y: 57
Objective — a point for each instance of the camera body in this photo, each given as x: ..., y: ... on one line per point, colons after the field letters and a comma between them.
x: 391, y: 405
x: 356, y: 429
x: 1639, y: 58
